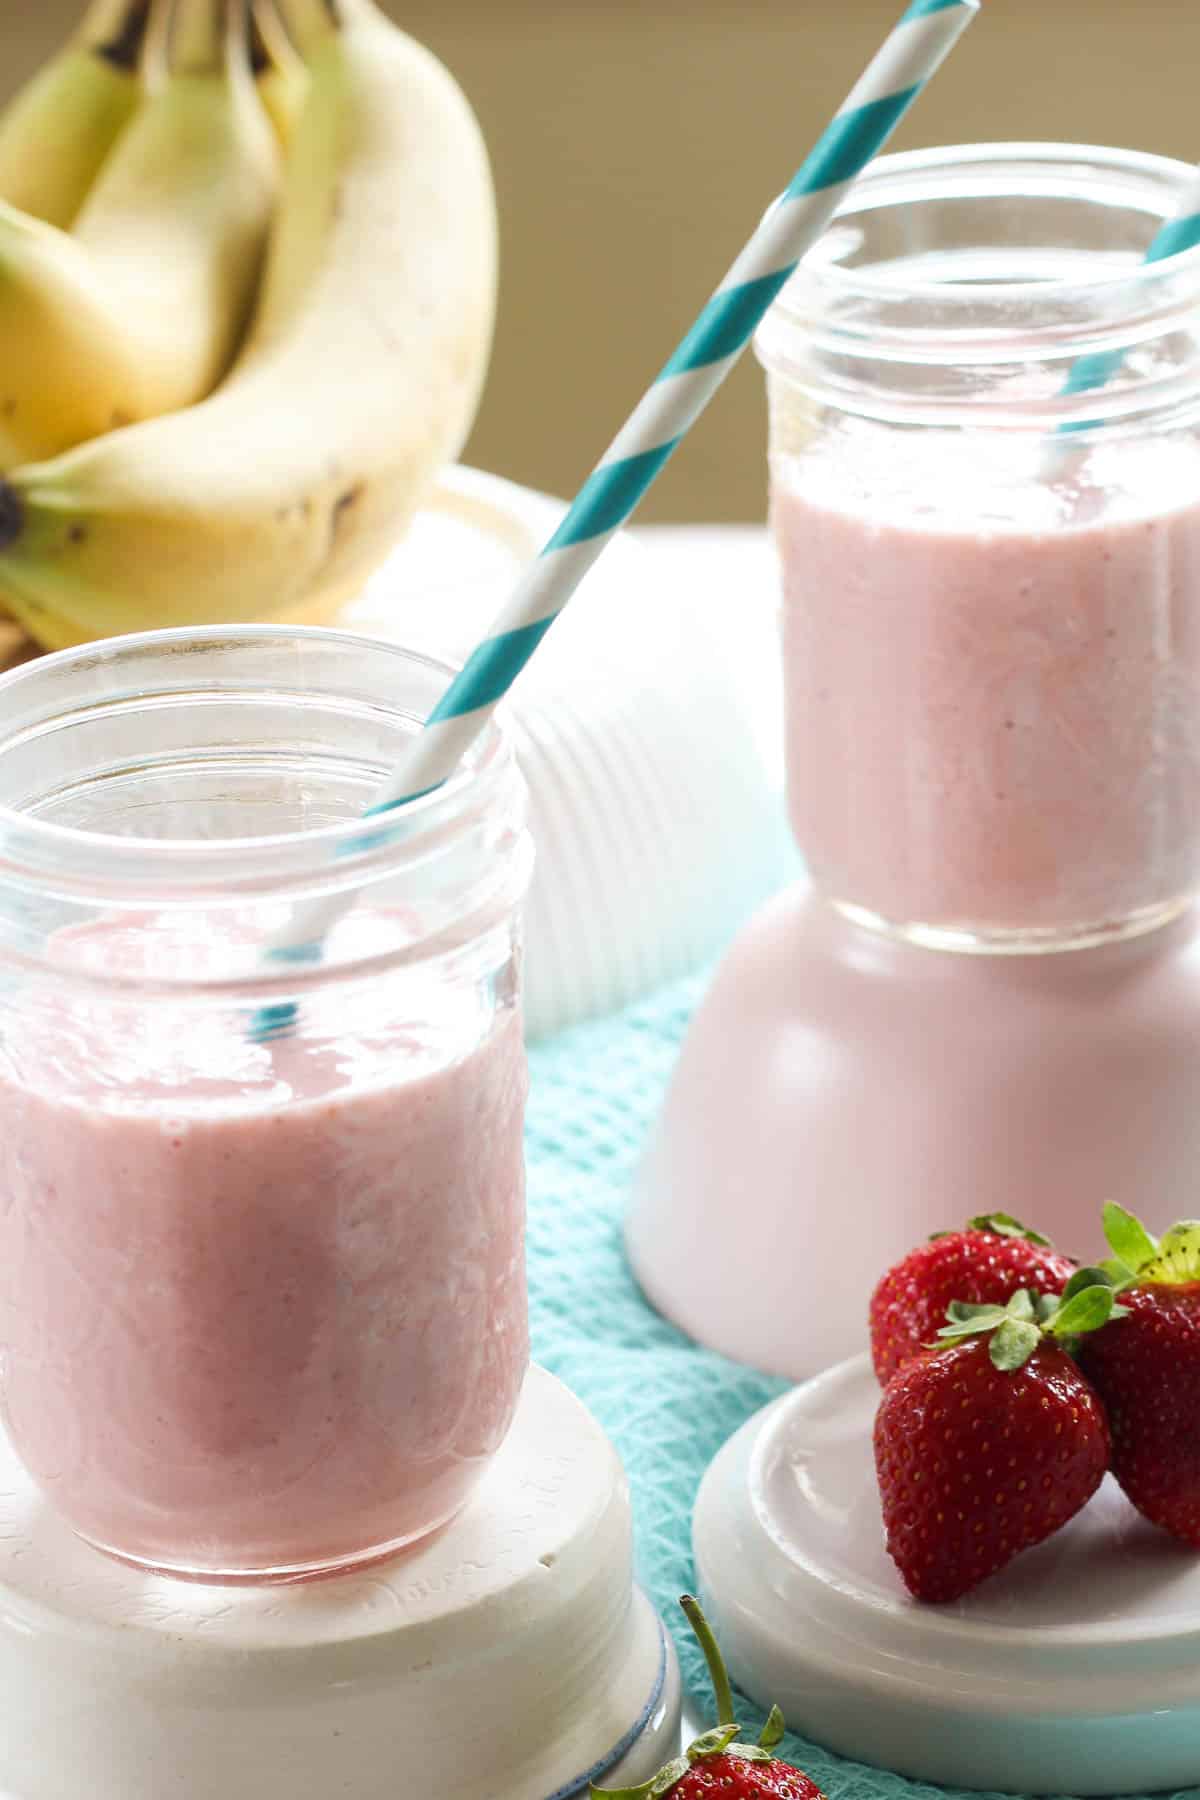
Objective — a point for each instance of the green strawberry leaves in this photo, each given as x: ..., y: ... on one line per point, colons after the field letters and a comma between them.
x: 1003, y: 1224
x: 1172, y: 1261
x: 1000, y: 1224
x: 965, y: 1318
x: 1013, y: 1343
x: 1178, y: 1261
x: 719, y: 1742
x: 714, y: 1742
x: 773, y: 1732
x: 668, y: 1777
x: 1087, y: 1309
x: 722, y: 1740
x: 1131, y: 1244
x: 1089, y: 1300
x: 1015, y: 1331
x: 1092, y: 1275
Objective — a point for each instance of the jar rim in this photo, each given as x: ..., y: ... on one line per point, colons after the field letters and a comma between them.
x: 937, y: 298
x: 902, y: 168
x: 73, y: 860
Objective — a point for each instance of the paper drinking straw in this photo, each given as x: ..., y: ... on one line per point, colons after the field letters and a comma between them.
x: 1095, y: 371
x: 912, y: 53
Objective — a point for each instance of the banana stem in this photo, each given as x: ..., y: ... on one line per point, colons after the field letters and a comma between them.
x: 239, y: 38
x: 309, y: 22
x: 203, y: 34
x: 116, y: 30
x: 272, y: 35
x: 260, y: 57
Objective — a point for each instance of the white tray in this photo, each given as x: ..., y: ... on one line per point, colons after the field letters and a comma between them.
x: 1074, y: 1671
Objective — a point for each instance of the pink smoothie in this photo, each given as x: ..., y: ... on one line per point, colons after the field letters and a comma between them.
x: 262, y: 1308
x: 993, y: 680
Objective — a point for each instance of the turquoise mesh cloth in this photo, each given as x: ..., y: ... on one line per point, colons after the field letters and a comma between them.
x: 668, y: 1405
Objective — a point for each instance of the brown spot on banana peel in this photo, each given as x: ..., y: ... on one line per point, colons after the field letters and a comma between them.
x: 125, y: 50
x: 341, y: 506
x: 260, y: 57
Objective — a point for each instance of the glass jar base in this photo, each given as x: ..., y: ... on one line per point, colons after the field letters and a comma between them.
x: 986, y: 940
x: 272, y: 1575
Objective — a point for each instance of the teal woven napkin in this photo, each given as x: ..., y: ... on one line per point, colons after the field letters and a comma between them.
x: 667, y: 1404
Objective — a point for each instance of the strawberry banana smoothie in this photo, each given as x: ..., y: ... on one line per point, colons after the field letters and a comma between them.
x: 263, y: 1306
x: 993, y: 679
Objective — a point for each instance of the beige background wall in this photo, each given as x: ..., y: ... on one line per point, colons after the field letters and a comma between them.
x: 636, y: 140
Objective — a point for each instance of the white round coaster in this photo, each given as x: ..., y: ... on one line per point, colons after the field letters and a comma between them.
x: 511, y: 1654
x: 1076, y: 1670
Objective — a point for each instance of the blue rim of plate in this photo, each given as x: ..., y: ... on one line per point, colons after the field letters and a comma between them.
x: 574, y: 1790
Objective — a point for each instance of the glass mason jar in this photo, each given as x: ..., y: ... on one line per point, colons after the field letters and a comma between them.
x: 262, y: 1303
x: 991, y: 549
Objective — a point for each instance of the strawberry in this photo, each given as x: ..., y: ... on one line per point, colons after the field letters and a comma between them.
x: 985, y: 1263
x: 1146, y: 1368
x: 986, y: 1447
x: 717, y: 1766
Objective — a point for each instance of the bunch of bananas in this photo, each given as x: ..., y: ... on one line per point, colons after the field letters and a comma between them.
x: 247, y: 292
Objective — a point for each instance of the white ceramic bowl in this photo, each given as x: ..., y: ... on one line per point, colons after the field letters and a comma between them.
x: 1074, y: 1671
x: 511, y: 1655
x: 648, y: 729
x: 840, y: 1096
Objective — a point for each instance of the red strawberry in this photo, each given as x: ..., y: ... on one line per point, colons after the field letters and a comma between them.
x: 1146, y: 1368
x: 717, y: 1765
x: 985, y: 1448
x: 985, y: 1263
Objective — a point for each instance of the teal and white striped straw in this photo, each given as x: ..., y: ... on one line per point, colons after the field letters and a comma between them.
x: 908, y: 58
x: 1089, y: 373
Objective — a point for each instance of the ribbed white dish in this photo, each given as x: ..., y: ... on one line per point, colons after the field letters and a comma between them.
x: 1074, y: 1671
x: 510, y: 1656
x: 648, y: 730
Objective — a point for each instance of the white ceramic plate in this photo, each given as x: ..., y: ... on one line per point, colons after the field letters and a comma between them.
x: 1076, y: 1670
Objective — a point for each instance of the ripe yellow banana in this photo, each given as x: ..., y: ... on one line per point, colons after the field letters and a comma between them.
x: 57, y: 131
x: 278, y: 496
x: 139, y: 311
x: 279, y: 70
